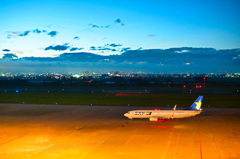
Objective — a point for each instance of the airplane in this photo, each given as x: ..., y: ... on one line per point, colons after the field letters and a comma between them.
x: 160, y: 115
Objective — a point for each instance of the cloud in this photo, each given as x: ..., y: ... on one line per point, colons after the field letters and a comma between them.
x: 10, y: 56
x: 195, y: 60
x: 76, y: 38
x: 119, y: 22
x: 107, y: 47
x: 99, y: 26
x: 6, y: 50
x: 14, y: 33
x: 62, y: 47
x: 57, y: 47
x: 151, y: 36
x: 52, y: 33
x: 103, y: 48
x: 75, y: 48
x: 93, y: 48
x: 95, y: 26
x: 125, y: 49
x: 181, y: 51
x: 25, y: 33
x: 37, y: 31
x: 115, y: 45
x: 141, y: 62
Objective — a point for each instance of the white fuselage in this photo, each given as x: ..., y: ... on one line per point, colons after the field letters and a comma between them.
x: 161, y: 114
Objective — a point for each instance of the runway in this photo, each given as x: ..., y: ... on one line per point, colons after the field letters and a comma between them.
x: 86, y: 132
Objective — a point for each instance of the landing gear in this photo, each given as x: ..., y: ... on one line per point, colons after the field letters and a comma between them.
x: 168, y: 119
x: 160, y: 120
x: 163, y: 120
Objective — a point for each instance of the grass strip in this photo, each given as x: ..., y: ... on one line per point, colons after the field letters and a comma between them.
x: 214, y: 100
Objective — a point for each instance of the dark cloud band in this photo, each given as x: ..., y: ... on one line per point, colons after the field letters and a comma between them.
x: 185, y: 59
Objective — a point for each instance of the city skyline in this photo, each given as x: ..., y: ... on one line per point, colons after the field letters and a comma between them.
x: 102, y: 36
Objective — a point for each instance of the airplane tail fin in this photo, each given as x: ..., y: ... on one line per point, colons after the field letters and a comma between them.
x: 175, y: 107
x: 197, y: 104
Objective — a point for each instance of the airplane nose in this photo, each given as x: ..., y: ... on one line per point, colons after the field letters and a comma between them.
x: 126, y: 114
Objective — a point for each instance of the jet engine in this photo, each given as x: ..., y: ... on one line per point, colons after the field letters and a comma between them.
x: 153, y: 119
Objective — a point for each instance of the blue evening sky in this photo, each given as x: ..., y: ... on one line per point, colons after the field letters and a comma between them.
x: 49, y: 28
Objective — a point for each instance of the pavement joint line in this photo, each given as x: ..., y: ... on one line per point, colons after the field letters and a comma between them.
x: 176, y: 145
x: 169, y: 144
x: 214, y: 141
x: 11, y: 140
x: 200, y: 143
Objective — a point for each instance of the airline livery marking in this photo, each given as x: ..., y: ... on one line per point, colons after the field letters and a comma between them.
x: 143, y: 113
x: 198, y: 104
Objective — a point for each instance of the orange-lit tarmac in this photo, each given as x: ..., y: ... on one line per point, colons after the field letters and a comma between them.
x: 84, y: 132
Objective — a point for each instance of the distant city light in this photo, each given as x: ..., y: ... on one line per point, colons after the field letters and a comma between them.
x: 76, y: 76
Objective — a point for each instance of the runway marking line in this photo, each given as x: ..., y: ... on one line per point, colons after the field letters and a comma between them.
x: 176, y: 145
x: 200, y: 143
x: 168, y: 145
x: 11, y: 140
x: 215, y: 146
